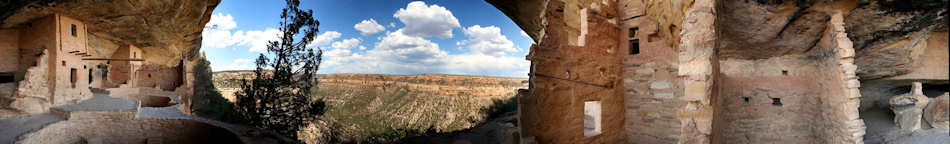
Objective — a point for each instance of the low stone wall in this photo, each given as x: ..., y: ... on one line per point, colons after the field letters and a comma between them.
x: 166, y: 78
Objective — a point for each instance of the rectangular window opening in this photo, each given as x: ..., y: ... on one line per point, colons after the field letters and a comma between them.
x: 72, y: 77
x: 776, y: 101
x: 634, y: 46
x: 592, y: 119
x: 634, y: 36
x: 73, y: 29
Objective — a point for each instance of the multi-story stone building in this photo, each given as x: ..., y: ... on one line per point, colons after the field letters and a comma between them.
x: 723, y: 71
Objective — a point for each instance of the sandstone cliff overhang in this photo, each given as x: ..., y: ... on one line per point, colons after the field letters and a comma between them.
x: 527, y: 14
x: 165, y: 30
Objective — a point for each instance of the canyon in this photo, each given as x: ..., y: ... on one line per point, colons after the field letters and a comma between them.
x: 367, y: 105
x: 602, y: 71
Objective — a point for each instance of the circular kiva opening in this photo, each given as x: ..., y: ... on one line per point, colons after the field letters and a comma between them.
x: 175, y: 131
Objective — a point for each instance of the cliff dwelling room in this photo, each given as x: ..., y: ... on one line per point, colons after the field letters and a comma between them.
x: 590, y: 71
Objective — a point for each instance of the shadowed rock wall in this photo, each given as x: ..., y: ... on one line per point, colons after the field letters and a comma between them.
x: 577, y: 60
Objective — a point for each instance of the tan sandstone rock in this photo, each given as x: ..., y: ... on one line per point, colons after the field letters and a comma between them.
x: 31, y: 105
x: 937, y: 113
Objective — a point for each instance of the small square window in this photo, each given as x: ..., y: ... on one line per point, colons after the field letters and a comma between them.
x: 592, y: 124
x: 73, y: 29
x: 776, y: 101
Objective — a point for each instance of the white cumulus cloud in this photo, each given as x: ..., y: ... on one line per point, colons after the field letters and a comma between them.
x: 221, y: 22
x: 346, y: 44
x: 487, y: 41
x: 427, y: 20
x: 219, y: 33
x: 257, y: 40
x: 324, y: 38
x: 397, y: 46
x: 368, y: 27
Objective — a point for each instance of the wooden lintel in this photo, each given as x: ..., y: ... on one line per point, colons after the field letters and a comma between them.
x: 73, y: 51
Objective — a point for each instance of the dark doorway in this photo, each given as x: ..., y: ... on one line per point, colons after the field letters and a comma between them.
x: 6, y: 77
x: 72, y: 77
x: 90, y: 76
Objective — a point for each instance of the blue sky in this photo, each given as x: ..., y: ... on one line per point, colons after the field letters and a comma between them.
x: 384, y: 37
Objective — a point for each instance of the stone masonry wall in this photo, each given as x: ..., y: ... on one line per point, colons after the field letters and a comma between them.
x: 10, y: 48
x: 34, y: 40
x: 699, y: 70
x: 810, y: 97
x: 651, y: 86
x: 120, y: 72
x: 70, y: 87
x: 771, y: 100
x: 577, y: 60
x: 34, y: 87
x: 33, y: 91
x: 166, y: 78
x: 841, y: 110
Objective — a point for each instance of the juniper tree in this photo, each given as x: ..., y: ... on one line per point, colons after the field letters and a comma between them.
x: 278, y: 97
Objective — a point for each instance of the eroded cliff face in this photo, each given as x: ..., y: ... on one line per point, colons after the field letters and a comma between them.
x: 165, y: 30
x: 885, y: 34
